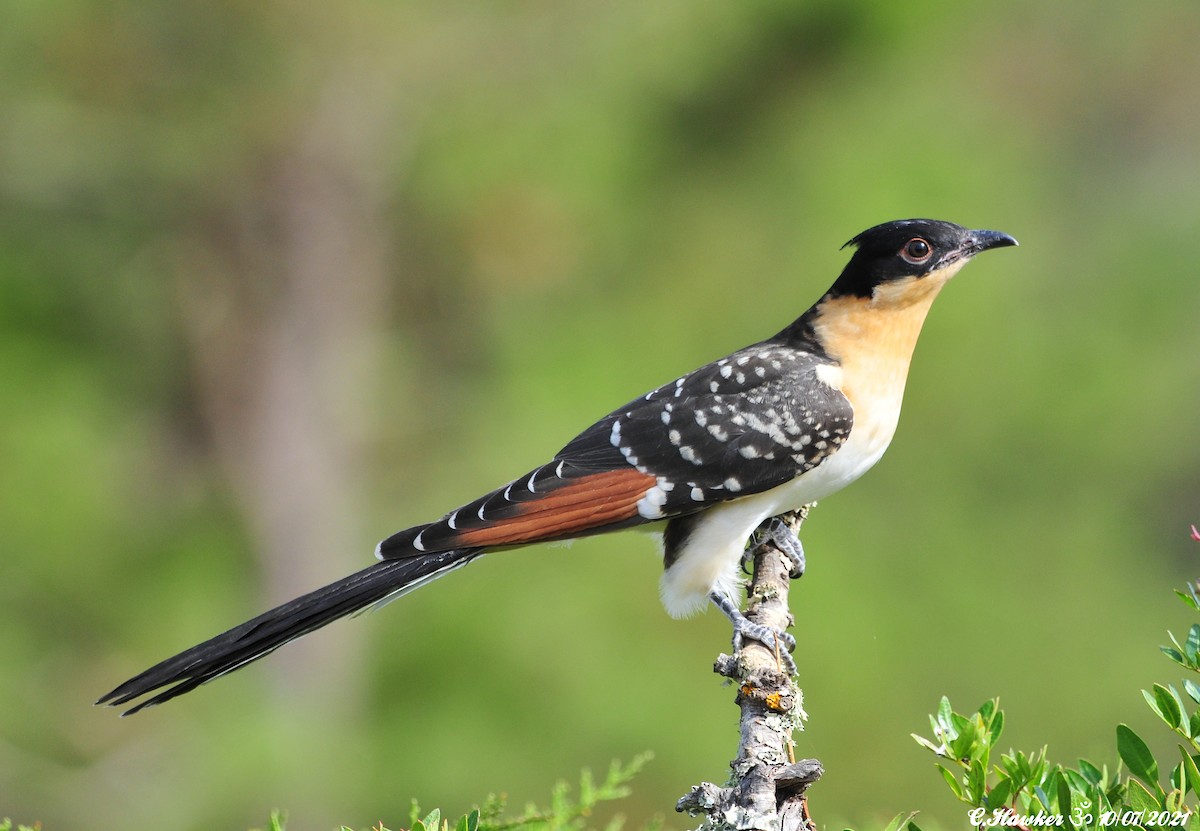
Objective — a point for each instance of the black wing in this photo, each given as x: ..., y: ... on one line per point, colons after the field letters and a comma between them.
x: 741, y: 425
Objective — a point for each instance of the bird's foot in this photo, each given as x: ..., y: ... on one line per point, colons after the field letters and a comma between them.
x: 778, y: 641
x: 780, y: 533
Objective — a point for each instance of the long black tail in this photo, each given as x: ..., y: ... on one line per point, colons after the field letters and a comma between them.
x: 258, y: 637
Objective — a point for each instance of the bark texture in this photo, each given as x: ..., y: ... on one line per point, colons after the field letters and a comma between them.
x: 766, y: 791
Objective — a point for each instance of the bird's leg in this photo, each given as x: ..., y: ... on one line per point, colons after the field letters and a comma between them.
x: 785, y: 539
x: 776, y: 640
x: 781, y: 533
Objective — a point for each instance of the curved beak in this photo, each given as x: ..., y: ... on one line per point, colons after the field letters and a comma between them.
x: 977, y: 241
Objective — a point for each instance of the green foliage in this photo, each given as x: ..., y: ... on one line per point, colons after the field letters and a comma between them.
x: 6, y: 825
x: 1086, y: 796
x: 565, y: 812
x: 277, y: 822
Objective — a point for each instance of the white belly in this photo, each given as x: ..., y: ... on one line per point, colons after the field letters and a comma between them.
x: 710, y: 556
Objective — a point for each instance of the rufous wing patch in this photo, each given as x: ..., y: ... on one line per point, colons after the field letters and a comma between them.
x: 584, y: 504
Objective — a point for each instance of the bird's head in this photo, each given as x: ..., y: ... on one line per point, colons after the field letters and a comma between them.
x: 910, y: 256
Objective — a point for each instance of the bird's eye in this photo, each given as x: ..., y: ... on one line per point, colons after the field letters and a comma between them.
x: 916, y: 251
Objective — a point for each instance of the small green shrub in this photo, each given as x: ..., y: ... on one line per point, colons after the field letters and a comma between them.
x: 1026, y: 790
x: 565, y: 812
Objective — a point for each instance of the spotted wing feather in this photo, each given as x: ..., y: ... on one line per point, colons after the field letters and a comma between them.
x: 741, y: 425
x: 738, y: 426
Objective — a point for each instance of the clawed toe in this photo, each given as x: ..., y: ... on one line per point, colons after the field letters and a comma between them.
x: 779, y: 642
x: 780, y: 533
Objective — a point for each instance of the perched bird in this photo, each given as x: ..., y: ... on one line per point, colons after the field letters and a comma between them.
x: 703, y: 460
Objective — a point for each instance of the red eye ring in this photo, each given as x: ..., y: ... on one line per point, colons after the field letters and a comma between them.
x: 916, y: 251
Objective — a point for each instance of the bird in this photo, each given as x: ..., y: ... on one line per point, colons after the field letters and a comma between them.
x: 702, y: 461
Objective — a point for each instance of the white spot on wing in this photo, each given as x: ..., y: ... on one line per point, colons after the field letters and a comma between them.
x: 650, y: 505
x: 416, y: 543
x: 697, y: 494
x: 830, y: 375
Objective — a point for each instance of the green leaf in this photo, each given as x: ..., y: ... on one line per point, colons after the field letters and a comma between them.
x: 927, y: 744
x: 899, y: 821
x: 952, y: 781
x: 996, y: 728
x: 976, y: 781
x: 1078, y: 784
x: 999, y: 795
x: 1137, y: 756
x: 1064, y: 795
x: 1175, y: 655
x: 470, y: 822
x: 1190, y: 687
x: 1150, y: 699
x: 1090, y: 772
x: 944, y: 713
x: 987, y: 708
x: 1017, y: 768
x: 1139, y: 798
x: 1192, y: 647
x: 1166, y: 705
x: 1192, y: 771
x: 961, y: 745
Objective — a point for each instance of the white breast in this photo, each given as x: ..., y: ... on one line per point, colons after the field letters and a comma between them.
x: 873, y: 343
x: 709, y: 557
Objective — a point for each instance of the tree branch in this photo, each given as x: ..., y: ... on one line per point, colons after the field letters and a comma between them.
x: 767, y: 788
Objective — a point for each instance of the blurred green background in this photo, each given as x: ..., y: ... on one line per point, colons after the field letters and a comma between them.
x: 277, y: 279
